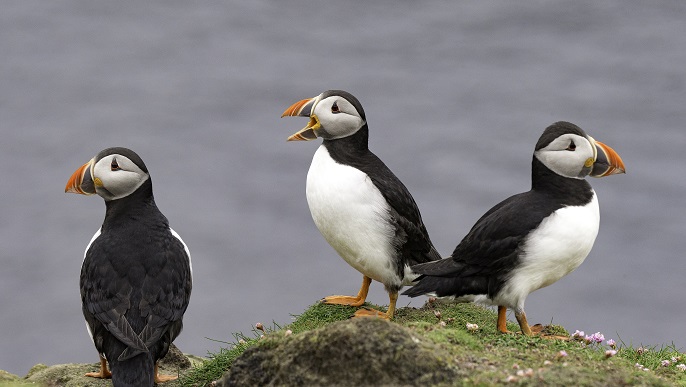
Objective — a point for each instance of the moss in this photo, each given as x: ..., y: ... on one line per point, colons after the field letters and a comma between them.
x: 37, y: 368
x: 352, y: 352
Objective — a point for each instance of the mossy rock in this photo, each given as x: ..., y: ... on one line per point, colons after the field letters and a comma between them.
x: 361, y: 351
x: 7, y: 377
x: 72, y: 375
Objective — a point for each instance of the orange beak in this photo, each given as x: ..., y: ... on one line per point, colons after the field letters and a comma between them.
x: 607, y: 162
x: 304, y: 109
x: 81, y: 181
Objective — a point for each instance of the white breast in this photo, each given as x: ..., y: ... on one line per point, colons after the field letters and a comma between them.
x: 557, y: 247
x: 352, y: 215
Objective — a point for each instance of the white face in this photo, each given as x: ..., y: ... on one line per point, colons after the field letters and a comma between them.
x: 569, y: 155
x: 115, y: 177
x: 338, y: 118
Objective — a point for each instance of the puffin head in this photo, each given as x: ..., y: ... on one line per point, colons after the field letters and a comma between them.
x: 333, y: 114
x: 567, y: 150
x: 114, y: 173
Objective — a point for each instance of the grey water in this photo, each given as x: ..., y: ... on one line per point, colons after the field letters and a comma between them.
x: 456, y: 95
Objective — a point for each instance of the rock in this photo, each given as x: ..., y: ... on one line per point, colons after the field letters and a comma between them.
x: 361, y: 351
x: 72, y: 375
x: 64, y: 375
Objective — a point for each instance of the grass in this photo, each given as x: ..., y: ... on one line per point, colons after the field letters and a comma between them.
x: 491, y: 357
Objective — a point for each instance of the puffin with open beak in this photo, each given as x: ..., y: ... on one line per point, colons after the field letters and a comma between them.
x: 360, y: 207
x: 532, y: 239
x: 136, y: 273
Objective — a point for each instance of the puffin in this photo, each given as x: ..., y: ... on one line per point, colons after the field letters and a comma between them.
x: 360, y: 207
x: 136, y: 276
x: 532, y: 239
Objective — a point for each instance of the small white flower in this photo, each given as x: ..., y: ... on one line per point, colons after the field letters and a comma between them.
x: 612, y: 344
x: 681, y: 367
x: 472, y: 327
x: 578, y: 334
x: 288, y: 332
x: 610, y: 352
x: 665, y: 363
x: 442, y: 323
x: 547, y: 363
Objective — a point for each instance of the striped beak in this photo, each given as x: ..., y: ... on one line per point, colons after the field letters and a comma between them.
x: 81, y: 181
x: 304, y: 109
x: 607, y: 161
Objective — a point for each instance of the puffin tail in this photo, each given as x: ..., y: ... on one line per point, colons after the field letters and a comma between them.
x: 446, y: 277
x: 432, y: 286
x: 137, y: 371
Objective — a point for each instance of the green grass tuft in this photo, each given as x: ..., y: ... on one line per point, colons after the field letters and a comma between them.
x: 490, y: 357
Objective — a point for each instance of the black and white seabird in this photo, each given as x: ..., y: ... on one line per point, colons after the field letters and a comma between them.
x: 532, y: 239
x: 361, y: 208
x: 136, y: 273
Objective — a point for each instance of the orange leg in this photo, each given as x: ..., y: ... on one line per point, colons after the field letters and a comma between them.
x: 104, y: 373
x: 502, y: 319
x: 523, y: 324
x: 349, y: 300
x: 536, y: 330
x: 375, y: 313
x: 162, y: 378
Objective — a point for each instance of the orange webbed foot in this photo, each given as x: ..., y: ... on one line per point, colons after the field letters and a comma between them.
x: 104, y: 373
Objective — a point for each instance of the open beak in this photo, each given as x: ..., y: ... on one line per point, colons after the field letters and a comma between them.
x: 81, y: 181
x: 304, y: 109
x: 607, y: 161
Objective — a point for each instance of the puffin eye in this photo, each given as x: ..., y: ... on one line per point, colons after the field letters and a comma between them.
x: 114, y: 166
x: 571, y: 146
x: 334, y: 108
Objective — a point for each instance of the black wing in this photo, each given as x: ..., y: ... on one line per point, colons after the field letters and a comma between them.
x: 412, y: 238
